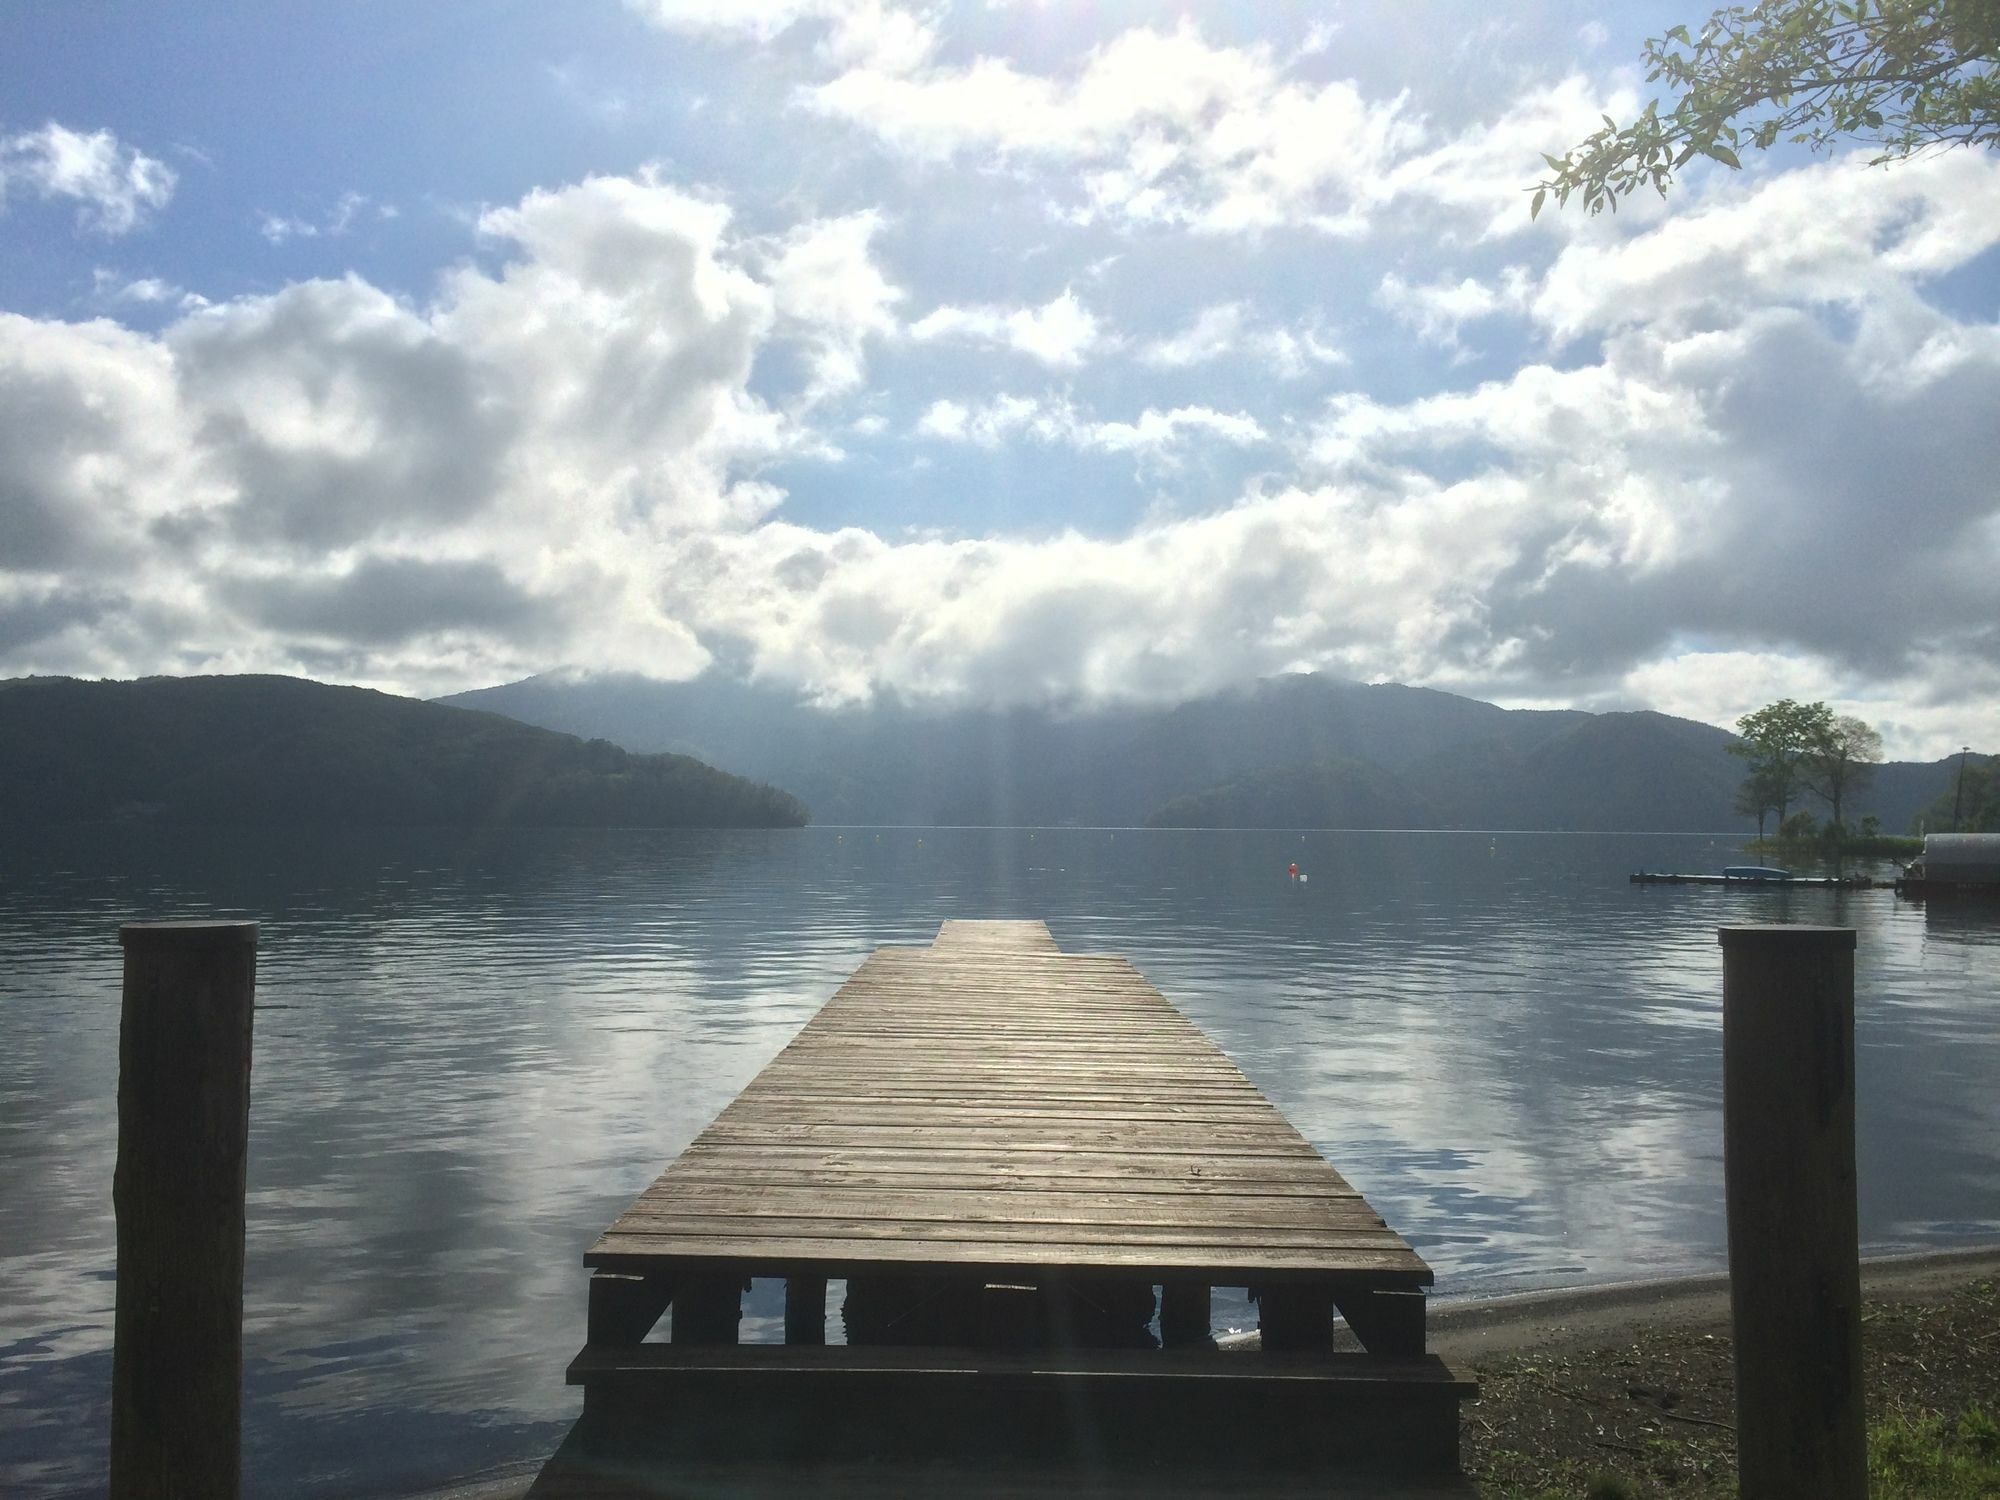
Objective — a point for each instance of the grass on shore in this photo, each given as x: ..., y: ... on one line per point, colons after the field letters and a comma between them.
x: 1921, y: 1455
x: 1653, y: 1419
x: 1924, y: 1454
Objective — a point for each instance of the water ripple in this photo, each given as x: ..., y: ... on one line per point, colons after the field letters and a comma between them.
x: 473, y: 1050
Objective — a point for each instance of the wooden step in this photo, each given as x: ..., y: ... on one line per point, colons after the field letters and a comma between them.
x: 807, y: 1404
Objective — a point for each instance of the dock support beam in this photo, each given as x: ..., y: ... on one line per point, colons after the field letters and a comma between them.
x: 1794, y: 1259
x: 805, y: 1309
x: 624, y: 1308
x: 1185, y: 1316
x: 1389, y: 1324
x: 1295, y: 1317
x: 1012, y: 1316
x: 183, y: 1139
x: 707, y: 1308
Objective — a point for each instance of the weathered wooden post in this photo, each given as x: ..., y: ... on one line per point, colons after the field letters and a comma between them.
x: 708, y: 1308
x: 1185, y: 1316
x: 183, y: 1130
x: 805, y: 1309
x: 1794, y: 1257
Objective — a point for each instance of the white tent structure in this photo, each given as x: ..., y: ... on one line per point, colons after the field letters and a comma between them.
x: 1957, y: 860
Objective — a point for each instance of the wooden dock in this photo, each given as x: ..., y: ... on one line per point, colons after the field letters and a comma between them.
x: 1012, y: 1156
x: 1762, y: 882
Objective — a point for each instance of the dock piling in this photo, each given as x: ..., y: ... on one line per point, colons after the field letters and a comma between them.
x: 1794, y: 1257
x: 1295, y: 1317
x: 708, y: 1307
x: 1387, y: 1323
x: 805, y: 1309
x: 624, y: 1308
x: 1185, y: 1316
x: 177, y: 1190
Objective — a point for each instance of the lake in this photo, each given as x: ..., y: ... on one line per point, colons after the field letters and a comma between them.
x: 473, y: 1050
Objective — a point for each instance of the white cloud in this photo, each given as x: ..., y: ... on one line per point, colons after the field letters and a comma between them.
x: 1761, y: 465
x: 1215, y: 333
x: 1162, y: 127
x: 1743, y: 486
x: 1300, y: 578
x: 110, y: 289
x: 1062, y: 332
x: 1055, y: 421
x: 1227, y: 330
x: 148, y: 289
x: 336, y: 221
x: 1835, y: 231
x: 1438, y: 310
x: 277, y: 228
x: 759, y: 20
x: 1484, y: 173
x: 944, y: 419
x: 867, y: 33
x: 825, y: 282
x: 93, y: 446
x: 1156, y: 126
x: 1154, y: 429
x: 117, y: 185
x: 1165, y: 128
x: 543, y: 435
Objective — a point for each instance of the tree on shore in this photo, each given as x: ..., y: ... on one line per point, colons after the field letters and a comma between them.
x: 1974, y: 797
x: 1760, y: 795
x: 1905, y: 75
x: 1839, y: 760
x: 1775, y: 739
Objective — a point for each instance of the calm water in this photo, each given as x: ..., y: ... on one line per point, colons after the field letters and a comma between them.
x: 471, y: 1053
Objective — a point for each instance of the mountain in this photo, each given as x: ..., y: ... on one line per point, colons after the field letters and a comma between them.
x: 1902, y: 790
x: 889, y: 762
x: 1334, y: 794
x: 280, y: 750
x: 1617, y: 770
x: 1294, y: 751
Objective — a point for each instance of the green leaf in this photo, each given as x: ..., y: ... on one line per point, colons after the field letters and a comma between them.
x: 1535, y: 204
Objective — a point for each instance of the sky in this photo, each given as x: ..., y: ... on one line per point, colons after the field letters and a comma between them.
x: 999, y: 352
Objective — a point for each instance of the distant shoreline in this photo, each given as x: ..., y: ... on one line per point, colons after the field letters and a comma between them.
x: 1565, y: 1315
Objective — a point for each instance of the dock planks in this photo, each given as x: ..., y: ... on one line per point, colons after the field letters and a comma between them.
x: 996, y: 1107
x: 990, y: 1138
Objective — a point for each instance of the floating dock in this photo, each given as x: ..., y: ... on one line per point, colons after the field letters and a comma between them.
x: 1029, y: 1170
x: 1822, y: 882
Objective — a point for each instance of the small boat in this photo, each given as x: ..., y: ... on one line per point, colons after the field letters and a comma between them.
x: 1755, y: 872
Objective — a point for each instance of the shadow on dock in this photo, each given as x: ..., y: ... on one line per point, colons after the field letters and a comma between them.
x: 604, y: 1458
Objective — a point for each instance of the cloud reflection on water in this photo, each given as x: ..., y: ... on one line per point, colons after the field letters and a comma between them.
x: 472, y: 1051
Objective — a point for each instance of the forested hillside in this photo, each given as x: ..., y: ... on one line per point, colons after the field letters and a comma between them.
x: 1293, y: 751
x: 280, y: 750
x: 1336, y: 794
